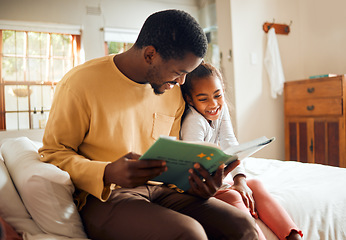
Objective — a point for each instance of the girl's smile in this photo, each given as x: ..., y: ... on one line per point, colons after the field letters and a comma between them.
x: 213, y: 112
x: 207, y: 97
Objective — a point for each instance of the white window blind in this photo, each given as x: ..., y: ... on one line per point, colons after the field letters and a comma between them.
x: 120, y: 35
x: 40, y: 27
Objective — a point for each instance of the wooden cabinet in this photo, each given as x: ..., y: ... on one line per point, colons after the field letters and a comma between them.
x: 315, y: 120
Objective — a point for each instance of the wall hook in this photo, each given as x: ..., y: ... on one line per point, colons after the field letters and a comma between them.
x: 269, y: 26
x: 279, y: 28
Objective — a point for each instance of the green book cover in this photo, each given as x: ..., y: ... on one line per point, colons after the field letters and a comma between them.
x: 180, y: 156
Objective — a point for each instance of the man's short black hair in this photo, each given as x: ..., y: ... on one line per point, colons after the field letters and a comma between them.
x: 173, y: 33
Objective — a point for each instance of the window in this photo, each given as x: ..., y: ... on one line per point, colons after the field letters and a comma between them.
x: 31, y: 64
x: 119, y: 40
x: 117, y: 47
x: 213, y: 52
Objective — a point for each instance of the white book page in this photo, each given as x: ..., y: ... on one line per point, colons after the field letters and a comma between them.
x: 247, y: 149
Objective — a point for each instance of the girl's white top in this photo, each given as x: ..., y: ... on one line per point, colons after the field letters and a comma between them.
x: 196, y: 128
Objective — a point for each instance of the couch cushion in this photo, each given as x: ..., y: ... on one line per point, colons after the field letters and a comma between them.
x: 7, y: 232
x: 12, y: 209
x: 45, y: 189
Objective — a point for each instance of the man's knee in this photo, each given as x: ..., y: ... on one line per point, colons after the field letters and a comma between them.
x: 248, y: 229
x: 239, y: 225
x: 189, y: 229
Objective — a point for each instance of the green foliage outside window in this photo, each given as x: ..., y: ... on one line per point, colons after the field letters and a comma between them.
x: 31, y: 65
x: 118, y: 47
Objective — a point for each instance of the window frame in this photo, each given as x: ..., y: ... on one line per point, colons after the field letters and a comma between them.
x: 126, y: 37
x: 34, y: 27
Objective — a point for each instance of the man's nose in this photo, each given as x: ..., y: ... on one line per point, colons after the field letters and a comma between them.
x: 181, y: 79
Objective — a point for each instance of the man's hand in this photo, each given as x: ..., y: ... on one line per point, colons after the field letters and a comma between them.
x: 209, y: 185
x: 129, y: 171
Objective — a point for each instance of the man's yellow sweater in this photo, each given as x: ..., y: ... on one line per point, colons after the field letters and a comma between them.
x: 98, y: 115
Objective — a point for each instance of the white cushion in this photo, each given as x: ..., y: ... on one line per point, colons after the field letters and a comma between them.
x: 12, y: 209
x: 45, y: 189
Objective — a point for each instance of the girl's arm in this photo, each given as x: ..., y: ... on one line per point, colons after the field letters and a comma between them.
x: 228, y: 139
x: 193, y: 127
x: 241, y: 186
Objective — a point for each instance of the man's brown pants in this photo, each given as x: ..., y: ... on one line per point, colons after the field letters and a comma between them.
x: 158, y: 212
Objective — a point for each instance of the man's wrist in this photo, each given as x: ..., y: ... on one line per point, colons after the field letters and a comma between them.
x: 107, y: 182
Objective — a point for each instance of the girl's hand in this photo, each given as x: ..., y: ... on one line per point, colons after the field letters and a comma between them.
x: 208, y: 185
x: 246, y: 193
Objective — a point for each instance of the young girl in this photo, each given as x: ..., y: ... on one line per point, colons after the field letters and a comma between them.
x: 207, y: 119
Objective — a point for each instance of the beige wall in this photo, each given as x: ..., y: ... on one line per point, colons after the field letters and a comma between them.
x: 129, y: 14
x: 323, y: 30
x: 315, y: 45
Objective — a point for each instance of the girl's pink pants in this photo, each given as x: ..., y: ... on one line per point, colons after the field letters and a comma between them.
x: 268, y: 209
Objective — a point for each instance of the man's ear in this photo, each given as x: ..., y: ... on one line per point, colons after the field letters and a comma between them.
x: 149, y: 54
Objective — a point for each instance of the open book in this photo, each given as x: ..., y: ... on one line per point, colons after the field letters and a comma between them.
x: 180, y: 156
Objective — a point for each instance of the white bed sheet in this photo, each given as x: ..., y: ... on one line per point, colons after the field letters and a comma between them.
x: 314, y: 195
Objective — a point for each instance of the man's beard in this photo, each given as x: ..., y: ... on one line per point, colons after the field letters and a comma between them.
x: 156, y: 88
x: 153, y: 74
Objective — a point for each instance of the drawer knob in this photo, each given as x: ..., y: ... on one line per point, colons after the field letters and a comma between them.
x: 311, y: 90
x: 310, y: 108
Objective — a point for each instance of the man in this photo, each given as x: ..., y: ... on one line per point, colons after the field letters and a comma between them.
x: 105, y: 114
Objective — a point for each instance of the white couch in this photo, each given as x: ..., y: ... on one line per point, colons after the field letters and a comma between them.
x: 36, y: 197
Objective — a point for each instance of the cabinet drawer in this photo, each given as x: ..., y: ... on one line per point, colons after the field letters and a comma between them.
x: 314, y: 107
x: 313, y: 89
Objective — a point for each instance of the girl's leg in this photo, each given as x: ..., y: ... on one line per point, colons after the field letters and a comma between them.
x: 271, y: 212
x: 234, y: 198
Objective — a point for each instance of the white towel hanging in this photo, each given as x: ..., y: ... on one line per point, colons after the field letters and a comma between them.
x: 272, y: 62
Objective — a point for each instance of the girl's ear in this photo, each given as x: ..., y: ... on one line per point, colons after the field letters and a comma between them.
x: 189, y: 100
x: 149, y: 54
